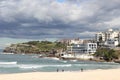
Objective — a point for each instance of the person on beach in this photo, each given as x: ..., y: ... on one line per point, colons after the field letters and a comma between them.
x: 62, y: 70
x: 57, y: 70
x: 81, y: 69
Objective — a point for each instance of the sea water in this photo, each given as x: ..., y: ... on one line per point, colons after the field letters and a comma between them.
x: 19, y: 63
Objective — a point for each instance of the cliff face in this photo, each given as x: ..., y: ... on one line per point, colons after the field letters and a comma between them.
x: 35, y: 47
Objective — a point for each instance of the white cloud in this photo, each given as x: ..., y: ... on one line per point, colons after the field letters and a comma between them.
x: 39, y: 18
x: 45, y: 11
x: 114, y: 22
x: 86, y: 34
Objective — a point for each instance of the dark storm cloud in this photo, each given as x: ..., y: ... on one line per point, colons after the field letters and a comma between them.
x: 53, y: 19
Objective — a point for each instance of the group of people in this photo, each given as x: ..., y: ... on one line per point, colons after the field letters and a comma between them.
x: 58, y: 70
x: 63, y: 70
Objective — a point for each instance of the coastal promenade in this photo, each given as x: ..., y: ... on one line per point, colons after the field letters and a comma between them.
x: 110, y: 74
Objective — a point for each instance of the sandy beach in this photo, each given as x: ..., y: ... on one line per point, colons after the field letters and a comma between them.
x: 111, y: 74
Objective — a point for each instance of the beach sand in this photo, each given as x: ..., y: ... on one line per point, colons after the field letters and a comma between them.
x: 110, y: 74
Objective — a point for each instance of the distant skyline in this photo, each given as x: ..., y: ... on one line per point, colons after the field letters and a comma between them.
x: 24, y: 20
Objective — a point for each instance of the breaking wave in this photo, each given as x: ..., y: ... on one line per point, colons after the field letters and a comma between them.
x: 8, y: 63
x: 42, y: 66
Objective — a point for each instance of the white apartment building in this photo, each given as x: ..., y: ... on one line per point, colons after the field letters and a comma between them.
x: 100, y: 35
x: 111, y: 42
x: 110, y: 34
x: 87, y: 48
x: 110, y: 37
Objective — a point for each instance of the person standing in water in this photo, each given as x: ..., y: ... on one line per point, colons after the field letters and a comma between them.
x: 81, y: 69
x: 57, y: 70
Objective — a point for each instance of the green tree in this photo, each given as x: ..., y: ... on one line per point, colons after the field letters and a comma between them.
x: 107, y: 54
x: 60, y: 45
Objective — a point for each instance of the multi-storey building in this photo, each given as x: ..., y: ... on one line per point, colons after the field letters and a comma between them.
x: 100, y: 36
x: 87, y: 48
x: 80, y: 51
x: 109, y: 37
x: 110, y: 34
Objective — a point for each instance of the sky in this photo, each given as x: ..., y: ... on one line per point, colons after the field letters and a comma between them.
x: 24, y: 20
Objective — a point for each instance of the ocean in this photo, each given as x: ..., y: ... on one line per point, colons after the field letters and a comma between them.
x: 20, y: 63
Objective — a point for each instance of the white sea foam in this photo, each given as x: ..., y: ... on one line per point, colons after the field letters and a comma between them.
x: 29, y: 66
x: 51, y: 58
x: 91, y: 65
x: 6, y: 63
x: 55, y: 58
x: 7, y: 53
x: 41, y: 66
x: 73, y: 60
x: 85, y: 65
x: 66, y: 65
